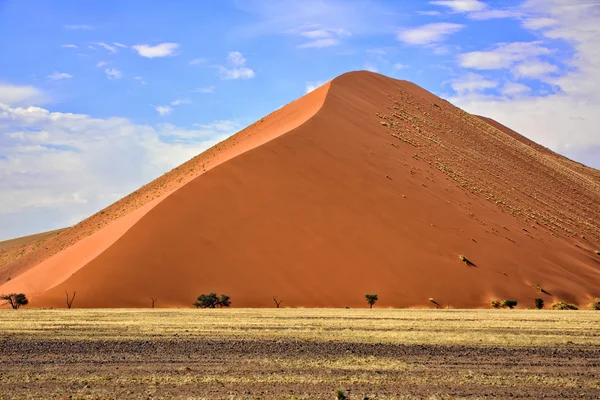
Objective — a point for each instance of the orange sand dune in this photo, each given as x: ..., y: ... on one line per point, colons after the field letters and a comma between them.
x: 379, y: 192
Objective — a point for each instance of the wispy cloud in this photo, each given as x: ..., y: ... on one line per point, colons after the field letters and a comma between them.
x: 503, y: 56
x: 472, y: 82
x: 208, y: 89
x: 163, y: 110
x: 101, y: 64
x: 493, y: 14
x: 79, y: 27
x: 69, y: 46
x: 140, y: 80
x: 197, y: 61
x: 235, y: 68
x: 461, y: 5
x: 320, y: 37
x: 428, y: 34
x: 109, y: 48
x: 160, y: 50
x: 124, y: 46
x: 57, y: 76
x: 180, y: 101
x: 113, y: 73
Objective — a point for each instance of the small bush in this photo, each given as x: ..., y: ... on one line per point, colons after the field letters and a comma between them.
x: 496, y: 303
x: 340, y: 395
x: 561, y: 305
x: 595, y: 305
x: 539, y: 303
x: 509, y: 304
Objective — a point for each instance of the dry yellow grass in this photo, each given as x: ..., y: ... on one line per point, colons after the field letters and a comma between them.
x: 441, y: 327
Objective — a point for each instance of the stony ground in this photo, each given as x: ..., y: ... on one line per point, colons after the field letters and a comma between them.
x: 192, y: 355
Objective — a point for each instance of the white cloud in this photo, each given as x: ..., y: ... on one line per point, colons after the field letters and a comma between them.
x: 91, y: 48
x: 140, y: 79
x: 55, y: 169
x: 21, y: 95
x: 113, y: 73
x: 208, y: 89
x: 109, y: 48
x: 472, y: 82
x: 69, y: 46
x: 79, y: 27
x: 124, y: 46
x: 400, y: 66
x: 160, y: 50
x: 534, y: 69
x: 163, y: 110
x: 461, y: 5
x: 310, y: 86
x: 197, y: 61
x: 101, y: 64
x: 430, y: 13
x: 320, y: 37
x: 180, y: 101
x: 514, y: 89
x: 503, y: 56
x: 236, y: 73
x: 57, y: 76
x: 236, y: 68
x: 538, y: 23
x: 427, y: 34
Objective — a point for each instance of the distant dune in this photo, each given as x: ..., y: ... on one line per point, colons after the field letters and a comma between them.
x: 366, y: 185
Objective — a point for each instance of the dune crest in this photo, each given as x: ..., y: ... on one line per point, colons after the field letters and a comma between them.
x: 379, y: 191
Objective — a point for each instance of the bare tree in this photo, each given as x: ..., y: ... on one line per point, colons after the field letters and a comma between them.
x: 70, y: 301
x: 153, y: 301
x: 277, y: 302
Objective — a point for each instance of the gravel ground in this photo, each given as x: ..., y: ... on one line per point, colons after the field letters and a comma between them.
x: 204, y: 368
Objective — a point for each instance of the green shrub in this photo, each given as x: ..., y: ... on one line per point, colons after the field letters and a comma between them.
x: 15, y: 300
x: 595, y: 305
x: 509, y: 304
x: 340, y: 395
x: 212, y: 301
x: 371, y: 299
x: 539, y: 303
x: 561, y: 305
x: 496, y: 303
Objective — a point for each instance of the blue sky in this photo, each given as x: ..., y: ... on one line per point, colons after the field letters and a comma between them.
x: 100, y: 97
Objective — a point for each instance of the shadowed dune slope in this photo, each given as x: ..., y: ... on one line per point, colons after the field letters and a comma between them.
x: 379, y: 192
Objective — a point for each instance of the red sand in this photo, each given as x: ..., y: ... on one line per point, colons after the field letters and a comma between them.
x: 378, y: 192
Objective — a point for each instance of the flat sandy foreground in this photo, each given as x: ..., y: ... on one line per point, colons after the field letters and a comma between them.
x: 299, y: 354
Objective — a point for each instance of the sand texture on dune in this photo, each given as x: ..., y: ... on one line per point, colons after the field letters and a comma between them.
x: 379, y: 191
